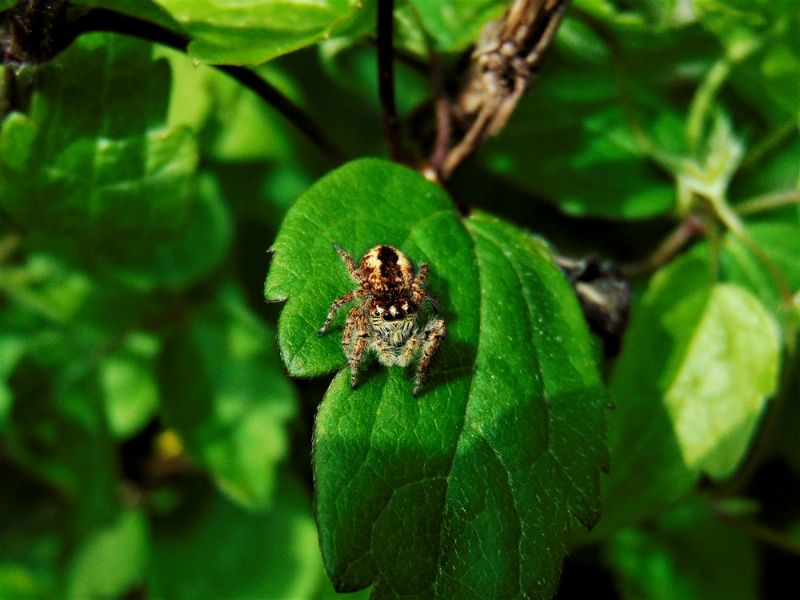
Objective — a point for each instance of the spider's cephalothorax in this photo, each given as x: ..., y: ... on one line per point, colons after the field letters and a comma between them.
x: 386, y: 320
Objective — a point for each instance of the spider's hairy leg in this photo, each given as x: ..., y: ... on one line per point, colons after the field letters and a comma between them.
x: 355, y: 350
x: 418, y: 293
x: 422, y: 275
x: 350, y: 325
x: 431, y: 338
x: 349, y: 263
x: 337, y: 304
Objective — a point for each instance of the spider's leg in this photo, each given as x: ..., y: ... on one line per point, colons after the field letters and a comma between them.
x: 431, y: 338
x: 422, y: 275
x: 350, y: 325
x: 356, y: 350
x: 337, y: 304
x: 349, y: 263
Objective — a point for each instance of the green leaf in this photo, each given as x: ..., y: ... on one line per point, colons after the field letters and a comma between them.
x: 112, y: 560
x: 180, y: 261
x: 256, y: 31
x: 91, y: 159
x: 4, y: 4
x: 215, y: 549
x: 688, y: 554
x: 12, y: 349
x: 455, y: 24
x: 130, y: 387
x: 698, y: 363
x: 225, y: 393
x: 470, y: 489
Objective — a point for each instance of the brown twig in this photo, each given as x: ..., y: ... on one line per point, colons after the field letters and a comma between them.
x: 391, y: 123
x: 508, y: 53
x: 442, y: 113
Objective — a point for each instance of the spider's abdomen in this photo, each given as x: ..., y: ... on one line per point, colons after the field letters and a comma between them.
x: 386, y: 269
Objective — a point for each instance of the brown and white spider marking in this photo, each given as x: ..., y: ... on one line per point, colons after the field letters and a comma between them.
x: 385, y: 321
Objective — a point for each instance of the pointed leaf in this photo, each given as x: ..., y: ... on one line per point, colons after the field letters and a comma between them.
x: 470, y: 489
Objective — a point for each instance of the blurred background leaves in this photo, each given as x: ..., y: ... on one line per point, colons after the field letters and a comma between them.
x: 150, y: 440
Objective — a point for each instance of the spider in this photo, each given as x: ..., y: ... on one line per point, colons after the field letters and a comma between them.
x: 386, y: 318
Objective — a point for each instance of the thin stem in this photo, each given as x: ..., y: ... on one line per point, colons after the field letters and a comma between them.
x: 731, y: 220
x: 109, y: 21
x: 688, y: 229
x: 768, y: 202
x: 9, y: 245
x: 773, y: 139
x: 442, y: 112
x: 391, y: 123
x: 761, y: 533
x: 703, y: 100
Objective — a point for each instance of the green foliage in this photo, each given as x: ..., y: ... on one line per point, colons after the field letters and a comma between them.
x: 218, y: 549
x: 699, y: 362
x: 688, y: 554
x: 224, y: 394
x: 442, y: 484
x: 166, y: 433
x: 98, y: 165
x: 254, y: 32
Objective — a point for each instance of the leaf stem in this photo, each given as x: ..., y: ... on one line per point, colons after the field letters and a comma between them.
x: 760, y: 532
x: 8, y: 245
x: 688, y: 229
x: 391, y: 123
x: 773, y: 139
x: 99, y: 19
x: 734, y: 224
x: 768, y: 202
x: 703, y: 100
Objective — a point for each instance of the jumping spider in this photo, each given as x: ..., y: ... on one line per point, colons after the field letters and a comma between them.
x: 385, y: 320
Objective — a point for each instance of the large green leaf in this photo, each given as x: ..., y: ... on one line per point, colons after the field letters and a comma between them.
x: 91, y: 158
x: 697, y: 366
x: 469, y: 490
x: 225, y: 393
x: 256, y: 31
x: 688, y: 554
